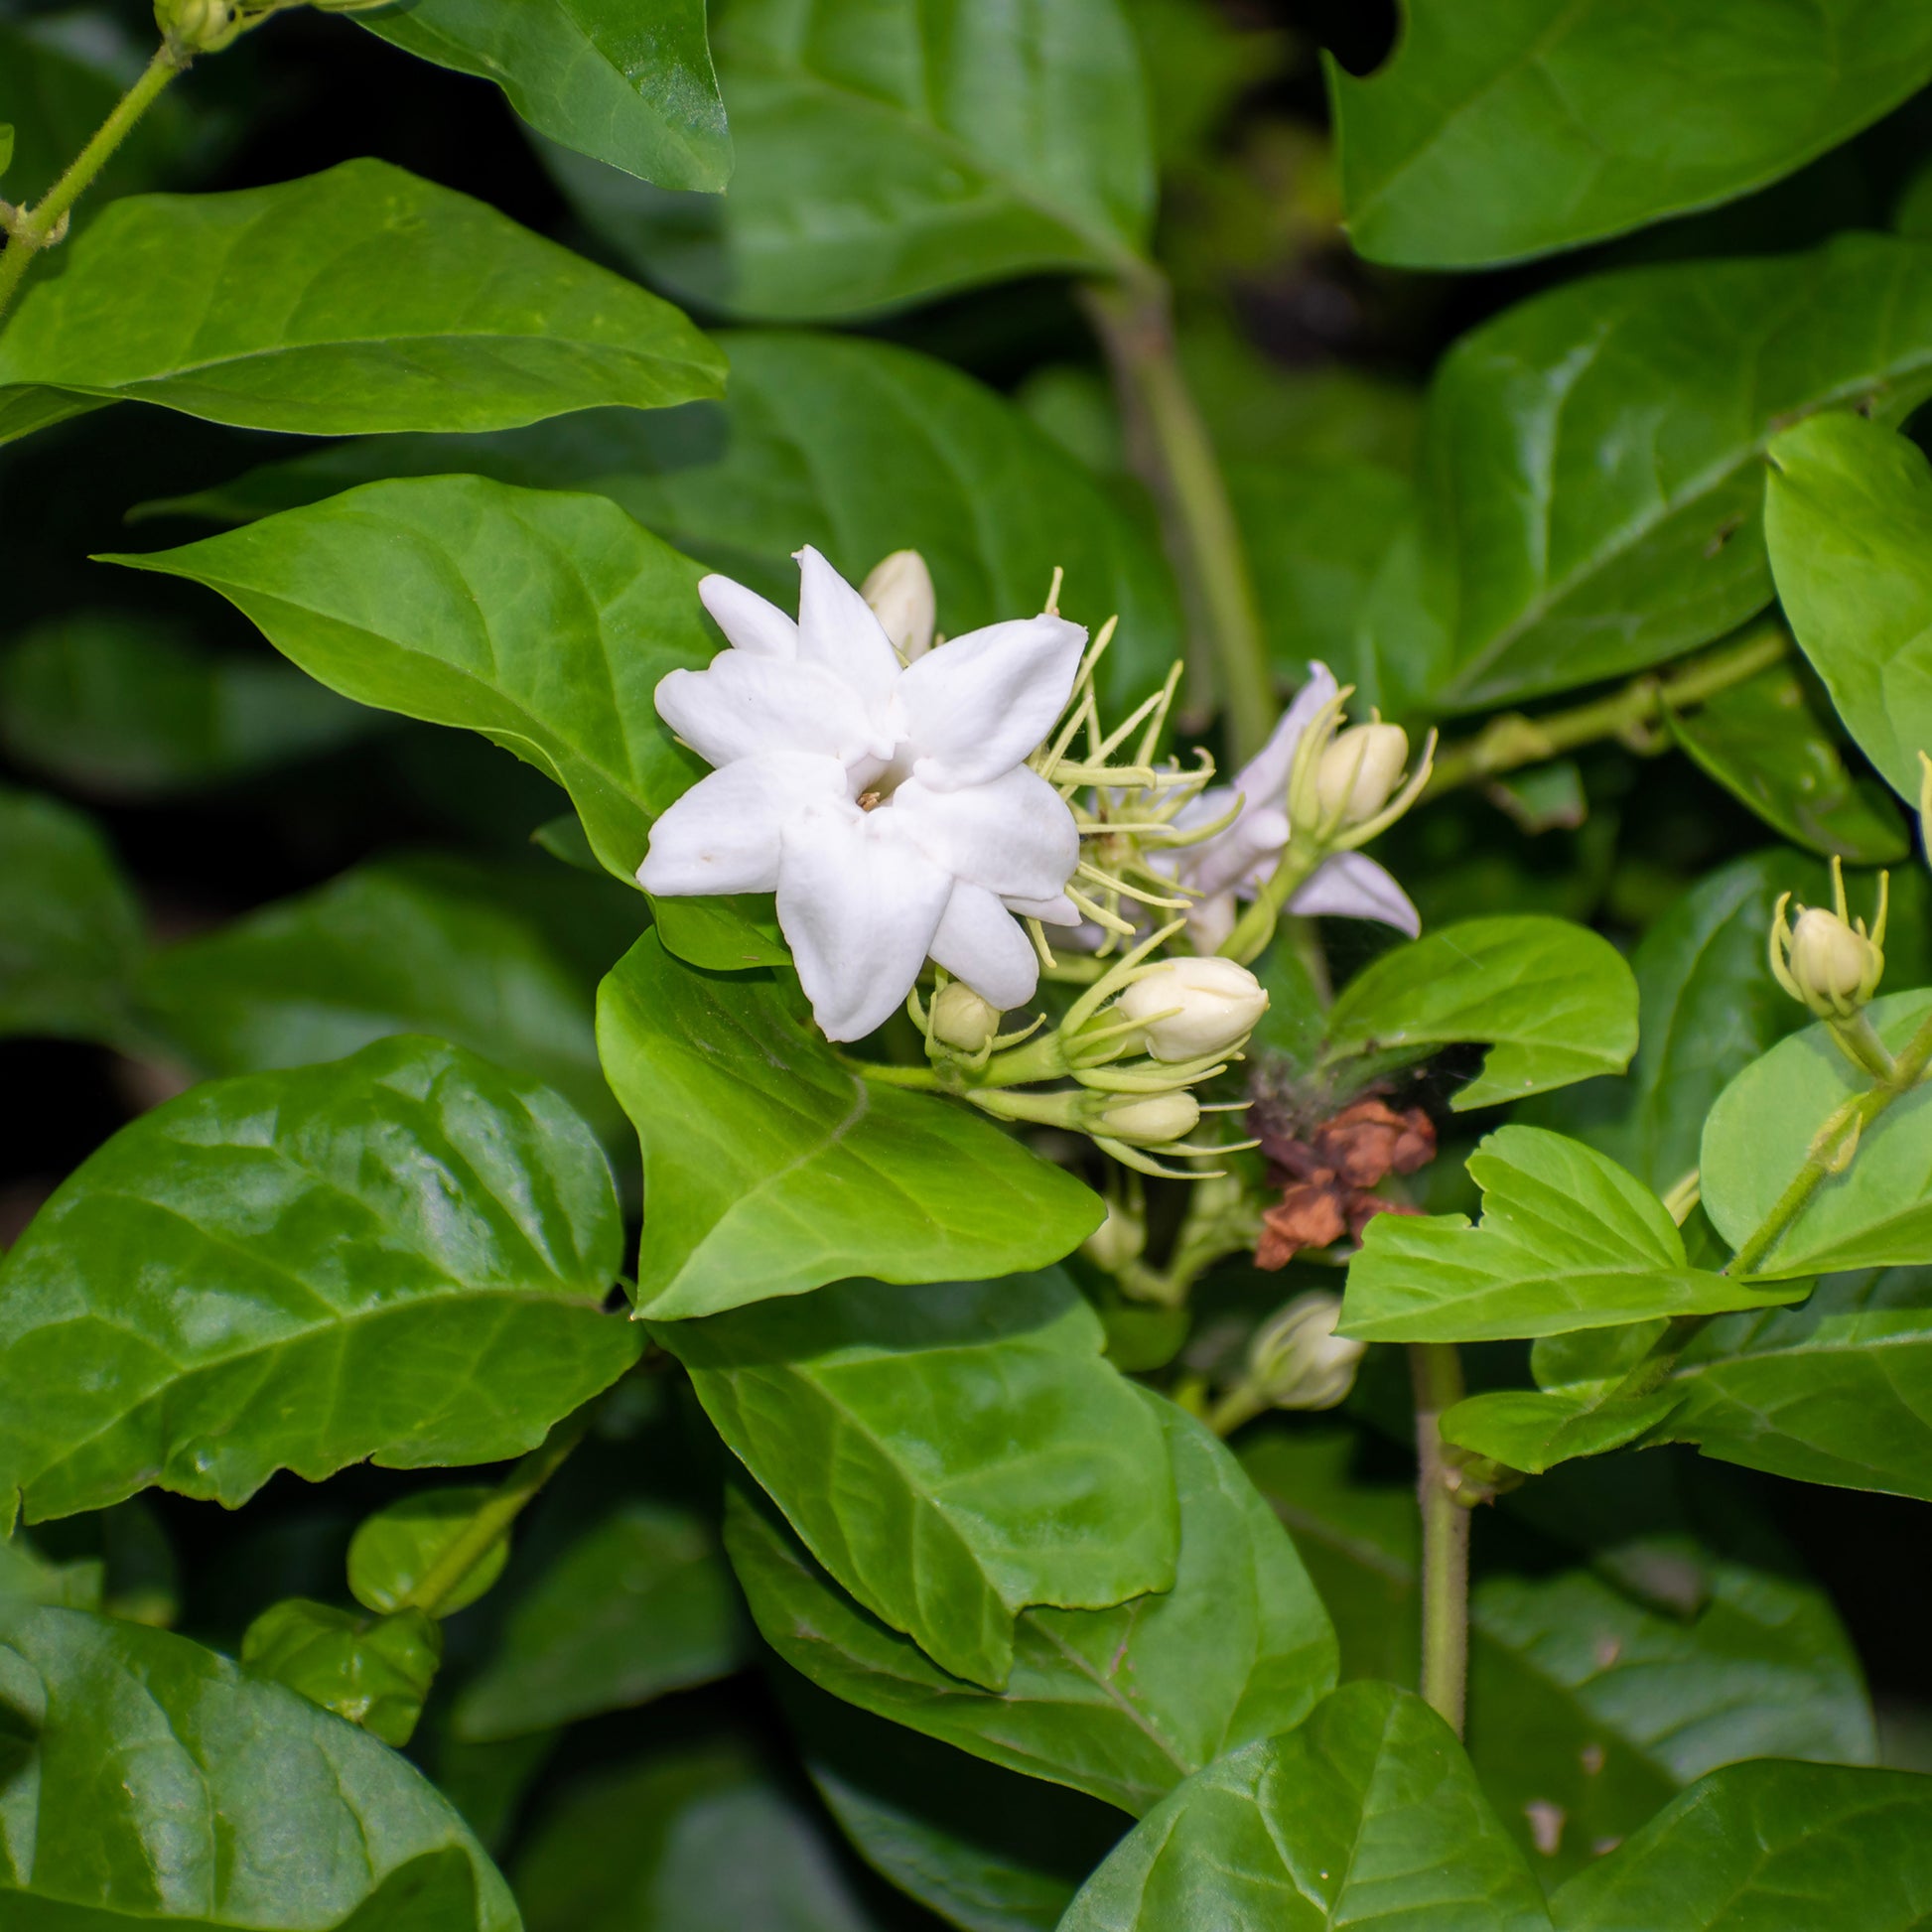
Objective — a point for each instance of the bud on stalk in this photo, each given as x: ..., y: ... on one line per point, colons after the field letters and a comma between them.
x: 961, y: 1020
x: 1151, y: 1120
x: 1827, y: 960
x: 899, y: 591
x: 1298, y: 1361
x: 1358, y: 772
x: 1194, y: 1008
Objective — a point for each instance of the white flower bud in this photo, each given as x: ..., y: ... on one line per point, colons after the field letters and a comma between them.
x: 1151, y: 1120
x: 1118, y: 1241
x: 1298, y: 1361
x: 1835, y: 968
x: 1195, y: 1008
x: 899, y: 591
x: 961, y: 1019
x: 1358, y: 770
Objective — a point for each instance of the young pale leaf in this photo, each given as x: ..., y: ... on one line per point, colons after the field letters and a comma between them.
x: 1848, y: 523
x: 1504, y: 129
x: 1763, y: 744
x: 360, y: 299
x: 772, y: 1168
x: 375, y: 1671
x: 1803, y: 1848
x: 1876, y: 1214
x: 392, y: 1551
x: 400, y: 1256
x: 1369, y: 1815
x: 1120, y: 1704
x: 235, y: 1802
x: 1568, y: 1240
x: 611, y: 78
x: 1635, y: 1658
x: 123, y: 708
x: 990, y: 1457
x: 404, y: 947
x: 1556, y: 1003
x: 69, y: 930
x: 641, y: 1603
x: 1594, y: 469
x: 857, y: 447
x: 892, y: 150
x: 541, y: 619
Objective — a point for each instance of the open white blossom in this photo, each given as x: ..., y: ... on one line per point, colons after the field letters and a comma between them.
x: 1235, y: 863
x: 888, y: 805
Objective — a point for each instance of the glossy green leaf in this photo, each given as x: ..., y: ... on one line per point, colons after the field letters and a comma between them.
x: 858, y: 448
x: 1601, y: 1680
x: 1593, y: 475
x: 1798, y: 1847
x: 69, y: 929
x: 541, y: 619
x: 1762, y: 742
x: 772, y: 1168
x: 400, y: 1256
x: 1567, y: 1240
x: 989, y: 1457
x: 1368, y: 1815
x: 1527, y: 1429
x: 1120, y: 1704
x: 629, y: 83
x: 375, y: 1671
x: 705, y: 1839
x: 392, y: 1551
x: 1876, y: 1214
x: 728, y: 934
x: 1555, y: 1003
x: 401, y: 945
x: 1848, y: 521
x: 892, y: 150
x: 360, y: 299
x: 234, y: 1801
x: 124, y: 708
x: 639, y: 1604
x: 1509, y: 128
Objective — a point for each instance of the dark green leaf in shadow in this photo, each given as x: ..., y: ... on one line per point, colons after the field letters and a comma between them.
x: 375, y: 1671
x: 392, y: 1551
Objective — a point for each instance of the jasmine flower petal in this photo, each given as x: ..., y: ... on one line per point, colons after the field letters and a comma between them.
x: 978, y: 706
x: 838, y: 631
x: 1356, y: 887
x: 744, y: 705
x: 982, y: 943
x: 750, y: 622
x: 1011, y: 835
x: 724, y: 834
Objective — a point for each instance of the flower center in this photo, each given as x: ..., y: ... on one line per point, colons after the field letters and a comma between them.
x: 876, y: 787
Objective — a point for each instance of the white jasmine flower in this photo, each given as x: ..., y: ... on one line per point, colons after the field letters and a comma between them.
x: 1235, y: 863
x: 888, y: 805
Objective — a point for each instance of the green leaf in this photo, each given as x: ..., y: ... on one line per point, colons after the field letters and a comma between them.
x: 1568, y: 1240
x: 706, y: 1838
x: 1759, y: 1136
x: 404, y: 946
x: 1601, y: 1679
x: 1592, y: 463
x: 858, y: 448
x: 69, y: 929
x: 1557, y: 1002
x: 399, y: 1256
x: 542, y: 620
x: 888, y: 152
x: 723, y: 936
x: 392, y: 1551
x: 235, y: 1802
x: 1788, y: 1846
x: 771, y: 1167
x: 1505, y: 129
x: 1528, y: 1429
x: 124, y: 708
x: 375, y: 1672
x: 989, y: 1457
x: 1368, y: 1815
x: 1848, y: 520
x: 640, y: 1604
x: 355, y: 300
x: 1762, y: 743
x: 627, y: 85
x: 1120, y: 1704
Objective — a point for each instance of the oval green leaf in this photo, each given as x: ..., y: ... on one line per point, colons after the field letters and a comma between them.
x: 375, y: 1671
x: 393, y: 1550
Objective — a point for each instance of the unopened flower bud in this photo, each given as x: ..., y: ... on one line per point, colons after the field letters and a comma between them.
x: 1194, y: 1008
x: 1358, y: 772
x: 197, y: 26
x: 961, y: 1019
x: 899, y: 591
x: 1825, y: 958
x: 1151, y: 1120
x: 1298, y: 1361
x: 1118, y: 1241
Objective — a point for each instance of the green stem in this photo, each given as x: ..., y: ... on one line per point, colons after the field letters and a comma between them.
x: 32, y: 230
x: 496, y: 1514
x: 1170, y: 446
x: 1256, y: 926
x: 1436, y: 1372
x: 1241, y: 1403
x: 1512, y: 741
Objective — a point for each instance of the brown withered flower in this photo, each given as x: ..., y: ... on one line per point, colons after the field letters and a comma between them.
x: 1325, y: 1172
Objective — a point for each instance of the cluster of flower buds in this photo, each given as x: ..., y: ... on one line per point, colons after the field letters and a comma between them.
x: 1832, y: 964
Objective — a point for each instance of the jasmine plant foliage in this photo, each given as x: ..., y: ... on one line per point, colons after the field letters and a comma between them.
x: 965, y: 966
